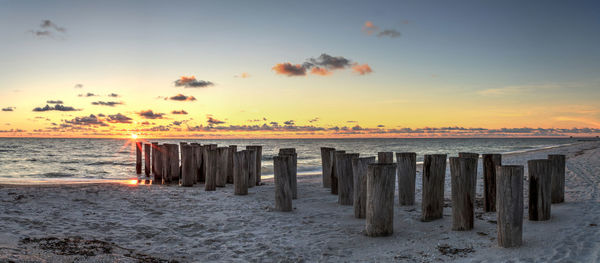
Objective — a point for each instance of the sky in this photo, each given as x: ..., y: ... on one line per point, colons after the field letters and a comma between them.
x: 274, y: 69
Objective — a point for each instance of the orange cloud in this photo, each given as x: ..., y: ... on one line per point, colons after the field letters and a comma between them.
x: 369, y: 28
x: 289, y: 69
x: 244, y: 75
x: 320, y: 71
x: 362, y: 69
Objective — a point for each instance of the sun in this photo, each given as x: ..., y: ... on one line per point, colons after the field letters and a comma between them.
x: 134, y: 136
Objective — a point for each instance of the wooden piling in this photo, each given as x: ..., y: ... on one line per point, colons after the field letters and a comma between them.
x: 165, y: 164
x: 147, y: 162
x: 282, y: 165
x: 258, y: 149
x: 359, y: 172
x: 346, y: 179
x: 174, y: 163
x: 197, y: 148
x: 210, y: 183
x: 293, y: 169
x: 462, y: 171
x: 157, y: 163
x: 326, y: 164
x: 476, y: 156
x: 138, y: 157
x: 231, y: 151
x: 385, y: 157
x: 251, y: 158
x: 434, y: 173
x: 334, y: 175
x: 205, y: 164
x: 539, y: 189
x: 153, y: 146
x: 407, y: 173
x: 222, y: 161
x: 509, y: 205
x: 381, y: 181
x: 240, y: 173
x: 187, y: 165
x: 490, y: 162
x: 557, y: 178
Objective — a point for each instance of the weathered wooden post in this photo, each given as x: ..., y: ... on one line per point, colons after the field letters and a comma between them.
x: 251, y: 156
x: 381, y: 181
x: 407, y: 173
x: 509, y: 205
x: 326, y: 164
x: 240, y: 173
x: 346, y: 179
x: 293, y: 169
x: 153, y: 146
x: 334, y: 175
x: 557, y: 170
x: 539, y: 189
x: 476, y: 156
x: 211, y: 159
x: 174, y: 163
x: 462, y: 171
x: 434, y: 173
x: 205, y: 164
x: 165, y: 164
x: 222, y: 166
x: 157, y: 166
x: 197, y: 148
x: 187, y: 165
x: 385, y: 157
x: 147, y: 162
x: 258, y: 149
x: 490, y: 162
x: 231, y: 151
x: 138, y: 157
x: 359, y: 171
x: 283, y: 193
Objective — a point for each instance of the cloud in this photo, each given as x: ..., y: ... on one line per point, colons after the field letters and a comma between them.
x: 114, y: 95
x: 290, y: 122
x: 8, y: 109
x: 380, y: 126
x: 177, y: 123
x: 389, y: 33
x: 192, y: 82
x: 289, y: 69
x: 322, y: 66
x: 107, y: 103
x: 54, y: 101
x: 362, y: 69
x: 57, y: 107
x: 520, y: 89
x: 78, y: 86
x: 118, y: 118
x: 314, y: 120
x: 320, y: 71
x: 369, y: 28
x: 212, y: 121
x: 48, y: 29
x: 12, y: 131
x: 244, y: 75
x: 329, y: 62
x: 89, y: 94
x: 91, y: 120
x: 181, y: 97
x: 180, y: 112
x: 149, y: 114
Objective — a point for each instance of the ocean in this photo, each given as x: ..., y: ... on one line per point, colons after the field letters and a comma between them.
x: 32, y: 160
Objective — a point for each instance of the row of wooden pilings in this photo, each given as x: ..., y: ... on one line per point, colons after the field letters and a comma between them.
x: 214, y: 166
x: 369, y: 186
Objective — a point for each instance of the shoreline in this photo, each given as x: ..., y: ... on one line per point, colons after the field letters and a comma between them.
x: 267, y: 176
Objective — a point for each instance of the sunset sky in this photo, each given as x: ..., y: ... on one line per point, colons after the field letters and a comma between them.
x: 299, y: 68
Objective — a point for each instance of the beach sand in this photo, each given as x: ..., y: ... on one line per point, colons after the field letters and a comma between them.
x: 130, y: 223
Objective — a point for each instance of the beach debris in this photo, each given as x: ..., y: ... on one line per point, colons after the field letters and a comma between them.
x: 447, y: 250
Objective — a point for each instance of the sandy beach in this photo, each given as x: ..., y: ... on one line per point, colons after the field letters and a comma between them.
x: 154, y: 223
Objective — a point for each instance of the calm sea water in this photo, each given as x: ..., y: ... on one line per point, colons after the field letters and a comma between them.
x: 33, y: 159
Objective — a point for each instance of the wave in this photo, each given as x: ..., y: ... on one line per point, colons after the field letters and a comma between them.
x: 55, y: 175
x: 110, y: 163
